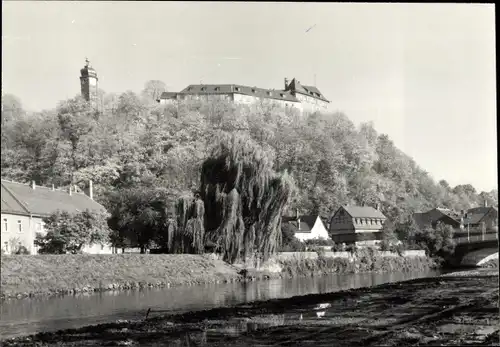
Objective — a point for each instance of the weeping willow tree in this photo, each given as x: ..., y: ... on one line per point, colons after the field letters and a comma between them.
x: 244, y: 199
x: 186, y: 232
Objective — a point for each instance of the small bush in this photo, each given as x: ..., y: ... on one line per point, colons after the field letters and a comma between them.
x: 21, y: 250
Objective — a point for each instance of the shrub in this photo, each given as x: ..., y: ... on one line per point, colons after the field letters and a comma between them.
x: 68, y: 233
x: 319, y: 242
x: 21, y: 250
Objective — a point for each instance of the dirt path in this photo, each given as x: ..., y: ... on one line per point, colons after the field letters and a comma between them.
x: 446, y: 310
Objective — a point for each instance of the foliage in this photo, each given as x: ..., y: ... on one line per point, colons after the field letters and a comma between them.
x: 389, y: 237
x: 436, y: 242
x: 68, y: 233
x: 289, y: 243
x: 138, y: 217
x: 244, y: 198
x: 319, y: 242
x: 187, y: 234
x: 137, y: 144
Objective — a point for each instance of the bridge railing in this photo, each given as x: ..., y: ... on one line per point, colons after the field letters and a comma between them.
x: 477, y: 238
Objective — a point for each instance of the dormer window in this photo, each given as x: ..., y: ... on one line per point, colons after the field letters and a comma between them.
x: 269, y: 93
x: 253, y: 90
x: 282, y: 95
x: 217, y: 89
x: 189, y: 89
x: 237, y: 89
x: 202, y: 89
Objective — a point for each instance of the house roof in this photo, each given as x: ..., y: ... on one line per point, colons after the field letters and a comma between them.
x: 475, y: 215
x: 22, y: 199
x: 422, y: 219
x: 363, y: 212
x: 450, y: 213
x: 306, y: 223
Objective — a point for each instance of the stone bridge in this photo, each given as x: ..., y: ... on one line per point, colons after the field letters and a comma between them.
x: 475, y: 250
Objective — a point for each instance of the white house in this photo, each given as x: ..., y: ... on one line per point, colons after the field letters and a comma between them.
x: 307, y: 227
x: 24, y: 206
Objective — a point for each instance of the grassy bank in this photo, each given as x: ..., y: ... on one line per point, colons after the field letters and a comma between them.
x: 66, y: 274
x: 25, y: 276
x: 304, y: 267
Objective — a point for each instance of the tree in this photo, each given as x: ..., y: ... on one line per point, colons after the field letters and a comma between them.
x: 76, y: 119
x: 68, y: 233
x: 436, y: 242
x: 138, y: 216
x: 389, y: 236
x: 244, y: 198
x: 153, y: 90
x: 187, y: 233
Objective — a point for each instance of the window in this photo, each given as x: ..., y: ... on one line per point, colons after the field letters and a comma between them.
x: 6, y: 247
x: 253, y: 90
x: 19, y: 226
x: 202, y: 88
x: 282, y: 95
x: 217, y: 89
x: 5, y: 225
x: 269, y: 93
x: 237, y: 89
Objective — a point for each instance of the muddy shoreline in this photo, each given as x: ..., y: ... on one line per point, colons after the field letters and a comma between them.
x: 453, y: 309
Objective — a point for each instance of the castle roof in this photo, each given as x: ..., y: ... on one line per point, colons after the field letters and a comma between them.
x: 213, y: 89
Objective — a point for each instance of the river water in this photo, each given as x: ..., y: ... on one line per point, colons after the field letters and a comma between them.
x: 29, y: 316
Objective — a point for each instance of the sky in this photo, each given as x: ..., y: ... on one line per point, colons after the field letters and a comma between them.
x: 425, y: 74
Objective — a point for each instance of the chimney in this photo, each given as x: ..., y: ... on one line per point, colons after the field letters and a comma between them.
x: 286, y: 83
x: 53, y: 188
x: 33, y: 185
x: 91, y: 192
x: 298, y: 220
x: 485, y: 203
x: 70, y: 190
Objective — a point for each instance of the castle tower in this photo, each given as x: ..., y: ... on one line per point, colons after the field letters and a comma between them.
x: 88, y: 83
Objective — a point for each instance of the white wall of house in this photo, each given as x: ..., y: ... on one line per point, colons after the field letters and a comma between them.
x: 317, y: 231
x: 18, y: 230
x: 98, y: 249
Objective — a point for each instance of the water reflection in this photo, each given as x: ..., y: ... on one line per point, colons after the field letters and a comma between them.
x: 21, y: 317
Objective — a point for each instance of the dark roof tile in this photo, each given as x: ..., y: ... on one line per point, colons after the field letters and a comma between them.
x: 363, y: 212
x: 41, y: 201
x: 306, y: 223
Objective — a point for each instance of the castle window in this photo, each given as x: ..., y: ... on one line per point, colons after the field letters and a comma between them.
x: 5, y: 225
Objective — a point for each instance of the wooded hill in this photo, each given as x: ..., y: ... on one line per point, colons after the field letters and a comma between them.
x: 137, y: 143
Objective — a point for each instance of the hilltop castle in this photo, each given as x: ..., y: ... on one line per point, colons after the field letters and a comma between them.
x: 303, y: 98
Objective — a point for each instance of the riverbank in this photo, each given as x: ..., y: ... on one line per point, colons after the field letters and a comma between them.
x: 28, y: 276
x: 447, y: 310
x: 25, y: 276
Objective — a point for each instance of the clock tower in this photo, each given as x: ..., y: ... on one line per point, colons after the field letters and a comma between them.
x: 88, y: 83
